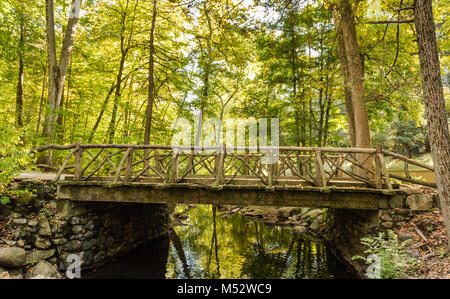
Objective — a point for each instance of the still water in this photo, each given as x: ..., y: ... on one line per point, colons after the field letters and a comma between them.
x: 213, y: 245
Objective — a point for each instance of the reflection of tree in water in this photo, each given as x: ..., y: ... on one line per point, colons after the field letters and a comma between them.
x: 179, y: 248
x: 214, y: 243
x: 302, y: 258
x: 238, y: 247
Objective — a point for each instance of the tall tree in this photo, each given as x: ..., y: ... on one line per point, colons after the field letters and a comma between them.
x: 433, y: 95
x: 151, y: 77
x: 19, y: 96
x: 353, y: 64
x: 346, y: 77
x: 57, y: 70
x: 125, y: 46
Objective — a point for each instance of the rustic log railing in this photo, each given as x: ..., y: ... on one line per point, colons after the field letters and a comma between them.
x: 216, y: 167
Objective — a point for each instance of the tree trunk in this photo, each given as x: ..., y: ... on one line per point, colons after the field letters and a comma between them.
x: 356, y: 75
x: 346, y: 76
x: 205, y: 91
x: 19, y: 96
x: 102, y: 111
x: 151, y: 78
x: 112, y: 123
x: 41, y: 102
x: 433, y: 94
x: 57, y: 71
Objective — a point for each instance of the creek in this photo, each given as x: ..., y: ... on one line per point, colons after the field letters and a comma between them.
x: 216, y: 245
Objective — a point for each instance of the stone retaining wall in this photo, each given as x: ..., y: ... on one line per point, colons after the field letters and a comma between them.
x: 401, y: 208
x: 345, y: 228
x: 45, y: 231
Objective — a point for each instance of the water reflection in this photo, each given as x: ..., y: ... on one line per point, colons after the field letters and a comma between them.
x: 238, y: 247
x: 219, y: 246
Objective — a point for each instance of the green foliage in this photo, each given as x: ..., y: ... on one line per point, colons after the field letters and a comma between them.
x: 389, y: 254
x: 14, y: 157
x: 4, y: 200
x: 46, y: 213
x: 266, y: 58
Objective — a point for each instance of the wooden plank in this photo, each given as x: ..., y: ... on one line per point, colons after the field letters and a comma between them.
x: 220, y: 176
x: 408, y: 160
x: 174, y: 167
x: 259, y: 197
x: 413, y: 181
x: 321, y: 179
x: 78, y: 155
x: 120, y: 166
x: 129, y: 166
x: 384, y: 171
x: 378, y: 169
x: 58, y: 175
x: 340, y: 161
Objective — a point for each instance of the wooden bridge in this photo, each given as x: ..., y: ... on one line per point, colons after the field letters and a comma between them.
x: 351, y: 178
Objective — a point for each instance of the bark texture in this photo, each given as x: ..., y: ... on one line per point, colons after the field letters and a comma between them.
x: 433, y: 95
x: 57, y: 70
x: 151, y: 78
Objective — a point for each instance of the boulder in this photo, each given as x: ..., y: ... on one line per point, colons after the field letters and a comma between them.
x: 396, y: 202
x: 88, y: 244
x: 42, y: 243
x: 45, y: 269
x: 72, y: 246
x: 39, y: 255
x: 404, y: 237
x: 315, y: 225
x: 420, y: 202
x: 77, y: 229
x: 15, y: 274
x: 312, y: 214
x: 20, y: 221
x: 12, y: 257
x: 44, y: 229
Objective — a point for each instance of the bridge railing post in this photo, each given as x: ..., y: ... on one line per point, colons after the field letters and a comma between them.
x: 340, y: 159
x: 78, y: 155
x: 157, y: 161
x: 378, y: 169
x: 120, y: 166
x: 320, y: 172
x: 381, y: 170
x: 270, y: 174
x: 247, y: 162
x: 129, y: 166
x: 173, y: 175
x: 220, y: 160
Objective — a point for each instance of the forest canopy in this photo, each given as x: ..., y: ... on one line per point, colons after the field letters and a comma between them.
x: 223, y: 58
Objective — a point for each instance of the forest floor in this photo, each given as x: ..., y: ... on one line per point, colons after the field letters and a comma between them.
x: 4, y: 232
x: 429, y: 237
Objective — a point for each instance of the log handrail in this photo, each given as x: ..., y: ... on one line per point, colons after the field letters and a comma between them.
x: 319, y: 166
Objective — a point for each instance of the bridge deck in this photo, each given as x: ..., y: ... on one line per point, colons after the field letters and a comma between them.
x: 344, y: 194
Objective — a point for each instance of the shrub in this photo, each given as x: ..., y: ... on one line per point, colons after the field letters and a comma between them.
x: 387, y: 256
x: 13, y: 156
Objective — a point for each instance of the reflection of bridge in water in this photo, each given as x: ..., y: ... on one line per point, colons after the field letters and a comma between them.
x: 350, y: 178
